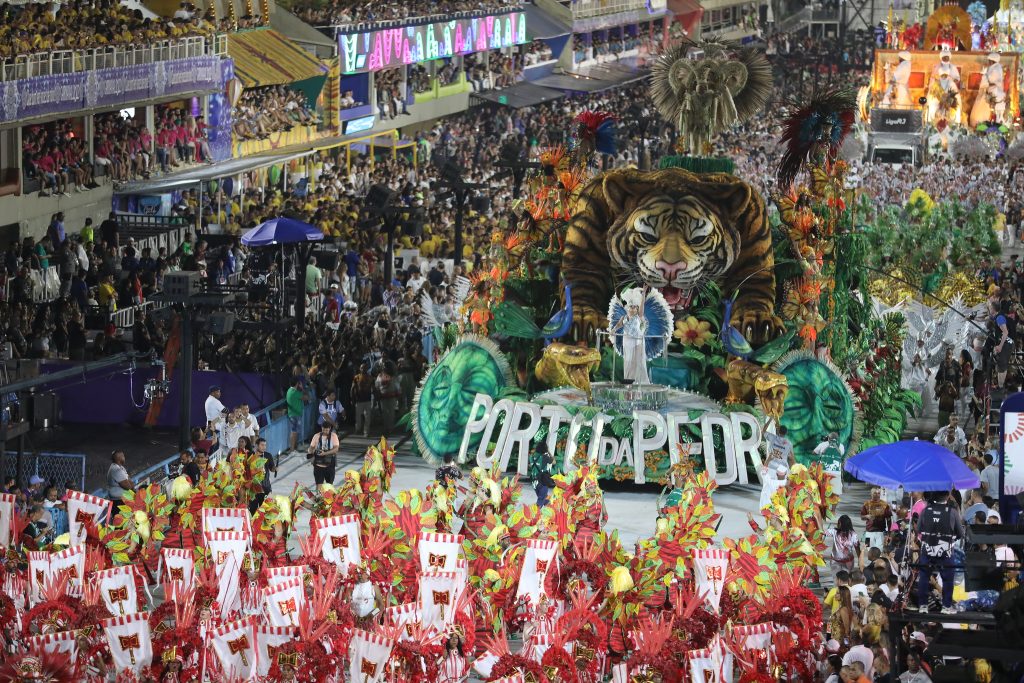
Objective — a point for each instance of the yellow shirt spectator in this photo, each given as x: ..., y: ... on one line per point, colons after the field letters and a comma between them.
x: 106, y: 296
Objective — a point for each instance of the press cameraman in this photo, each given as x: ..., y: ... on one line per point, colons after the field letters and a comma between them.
x: 323, y: 451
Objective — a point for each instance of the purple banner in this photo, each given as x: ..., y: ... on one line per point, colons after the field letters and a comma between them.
x: 112, y: 400
x: 114, y: 87
x: 66, y: 93
x: 184, y: 75
x: 219, y: 132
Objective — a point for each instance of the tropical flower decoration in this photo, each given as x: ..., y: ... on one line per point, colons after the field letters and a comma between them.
x: 693, y: 332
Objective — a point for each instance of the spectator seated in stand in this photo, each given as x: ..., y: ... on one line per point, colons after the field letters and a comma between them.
x: 54, y: 155
x: 271, y: 109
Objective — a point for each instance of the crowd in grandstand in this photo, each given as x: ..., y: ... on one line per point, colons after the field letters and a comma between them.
x: 34, y: 27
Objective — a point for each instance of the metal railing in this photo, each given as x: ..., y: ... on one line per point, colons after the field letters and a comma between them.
x: 587, y: 9
x: 796, y: 21
x: 109, y: 57
x: 275, y: 430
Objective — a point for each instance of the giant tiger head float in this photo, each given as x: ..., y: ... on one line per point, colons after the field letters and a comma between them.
x: 674, y: 231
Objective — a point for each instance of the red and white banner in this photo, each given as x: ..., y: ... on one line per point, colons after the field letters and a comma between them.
x: 54, y: 643
x: 709, y: 570
x: 539, y: 559
x: 83, y: 509
x: 757, y: 637
x: 268, y: 640
x: 131, y: 644
x: 227, y: 550
x: 405, y: 616
x: 117, y: 586
x: 276, y: 575
x: 341, y: 539
x: 439, y: 552
x: 69, y: 562
x: 38, y: 575
x: 226, y: 520
x: 234, y: 644
x: 438, y: 593
x: 178, y: 570
x: 6, y: 519
x: 712, y: 664
x: 368, y: 656
x: 282, y: 603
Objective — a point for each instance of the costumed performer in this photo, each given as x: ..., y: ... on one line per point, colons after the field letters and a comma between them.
x: 831, y: 454
x: 640, y: 324
x: 990, y: 104
x: 944, y: 90
x: 898, y: 92
x: 633, y: 326
x: 365, y: 598
x: 776, y: 467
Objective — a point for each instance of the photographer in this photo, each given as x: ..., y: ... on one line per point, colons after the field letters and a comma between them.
x: 323, y: 451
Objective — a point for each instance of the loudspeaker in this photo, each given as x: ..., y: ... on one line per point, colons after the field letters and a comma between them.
x: 221, y: 323
x: 45, y: 410
x: 481, y: 203
x: 182, y: 285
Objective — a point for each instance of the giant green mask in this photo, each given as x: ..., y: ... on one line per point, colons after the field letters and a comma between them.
x: 474, y: 365
x: 818, y: 402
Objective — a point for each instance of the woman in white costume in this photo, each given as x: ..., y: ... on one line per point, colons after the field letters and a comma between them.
x: 633, y: 326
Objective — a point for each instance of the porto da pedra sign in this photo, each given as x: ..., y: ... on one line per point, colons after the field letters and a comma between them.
x: 520, y: 421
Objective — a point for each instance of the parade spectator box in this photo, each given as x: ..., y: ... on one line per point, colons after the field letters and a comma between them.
x: 970, y: 64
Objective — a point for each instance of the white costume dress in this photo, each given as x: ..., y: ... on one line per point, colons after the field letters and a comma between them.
x: 939, y: 87
x: 773, y: 477
x: 634, y: 355
x: 898, y: 94
x: 991, y: 88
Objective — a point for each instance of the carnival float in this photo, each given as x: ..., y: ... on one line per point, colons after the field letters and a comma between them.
x: 645, y: 327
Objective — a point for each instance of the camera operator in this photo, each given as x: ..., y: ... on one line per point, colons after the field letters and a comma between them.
x: 323, y: 451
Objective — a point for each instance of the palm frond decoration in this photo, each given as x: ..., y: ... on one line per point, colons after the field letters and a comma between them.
x: 706, y: 87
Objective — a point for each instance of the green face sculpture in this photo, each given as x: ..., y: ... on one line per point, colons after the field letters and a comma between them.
x: 441, y: 410
x: 818, y: 402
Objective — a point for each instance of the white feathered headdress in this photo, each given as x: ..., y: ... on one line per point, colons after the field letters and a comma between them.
x: 632, y: 297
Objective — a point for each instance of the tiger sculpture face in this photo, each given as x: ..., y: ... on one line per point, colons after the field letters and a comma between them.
x: 673, y: 244
x: 675, y: 231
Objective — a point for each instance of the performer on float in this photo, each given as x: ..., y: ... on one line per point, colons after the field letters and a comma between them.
x: 898, y: 92
x: 944, y: 93
x: 640, y: 325
x: 990, y: 104
x: 946, y: 66
x: 633, y: 327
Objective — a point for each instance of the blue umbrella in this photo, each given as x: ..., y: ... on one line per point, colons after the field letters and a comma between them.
x: 914, y: 465
x: 281, y: 231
